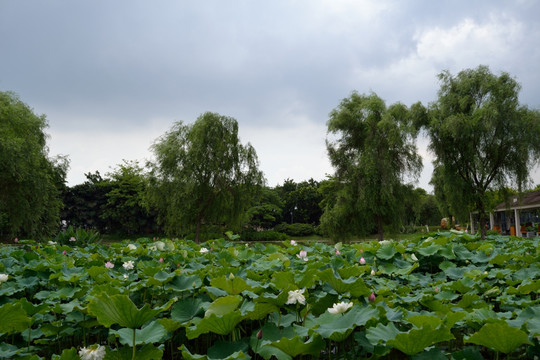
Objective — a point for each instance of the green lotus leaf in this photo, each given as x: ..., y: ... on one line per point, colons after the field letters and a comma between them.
x: 186, y: 354
x: 338, y: 327
x: 224, y: 349
x: 119, y: 309
x: 386, y: 252
x: 147, y: 352
x: 355, y: 286
x: 381, y: 333
x: 154, y: 332
x: 261, y: 310
x: 428, y: 250
x: 186, y: 309
x: 67, y: 354
x: 424, y: 320
x: 499, y: 336
x: 184, y: 283
x: 233, y: 285
x: 296, y: 346
x: 416, y: 340
x: 224, y: 305
x: 218, y: 324
x: 14, y: 318
x: 8, y: 351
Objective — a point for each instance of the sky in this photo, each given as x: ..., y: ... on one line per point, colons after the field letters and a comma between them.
x: 113, y: 76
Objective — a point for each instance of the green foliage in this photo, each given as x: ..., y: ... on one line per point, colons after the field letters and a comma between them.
x: 295, y: 229
x: 483, y: 139
x: 77, y: 236
x: 30, y: 181
x: 265, y: 235
x: 124, y: 211
x: 300, y: 201
x: 371, y: 146
x: 457, y: 297
x: 202, y: 175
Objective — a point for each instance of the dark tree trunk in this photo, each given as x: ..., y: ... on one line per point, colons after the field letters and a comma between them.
x: 380, y: 230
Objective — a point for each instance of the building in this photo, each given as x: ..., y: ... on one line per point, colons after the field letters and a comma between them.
x: 519, y: 212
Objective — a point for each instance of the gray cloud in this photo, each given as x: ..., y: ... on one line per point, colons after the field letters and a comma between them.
x: 129, y: 67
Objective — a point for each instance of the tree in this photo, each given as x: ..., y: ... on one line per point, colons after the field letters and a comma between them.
x: 30, y: 181
x: 482, y: 138
x: 124, y: 211
x: 202, y: 175
x: 84, y: 203
x: 301, y: 201
x: 372, y: 149
x: 267, y: 212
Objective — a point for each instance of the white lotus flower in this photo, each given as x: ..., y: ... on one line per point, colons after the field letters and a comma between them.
x: 296, y: 296
x: 414, y: 257
x: 4, y: 278
x: 203, y: 250
x: 51, y: 242
x: 372, y: 272
x: 94, y: 352
x: 128, y: 265
x: 293, y: 243
x: 340, y: 308
x: 132, y: 247
x: 160, y: 245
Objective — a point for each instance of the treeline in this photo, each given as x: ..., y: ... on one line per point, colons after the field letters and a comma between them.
x: 203, y: 181
x: 116, y: 204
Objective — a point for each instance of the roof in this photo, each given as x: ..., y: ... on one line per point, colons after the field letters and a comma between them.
x: 523, y: 201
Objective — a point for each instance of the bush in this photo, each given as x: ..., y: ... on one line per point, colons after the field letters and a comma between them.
x: 77, y: 236
x: 267, y: 235
x: 296, y: 229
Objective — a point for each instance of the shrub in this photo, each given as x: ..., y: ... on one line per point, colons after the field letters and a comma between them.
x: 267, y: 235
x: 77, y: 236
x: 296, y: 229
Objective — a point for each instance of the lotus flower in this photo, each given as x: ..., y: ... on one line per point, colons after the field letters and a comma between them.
x: 203, y: 250
x: 293, y: 243
x: 132, y: 247
x: 4, y: 278
x: 340, y: 308
x: 296, y: 296
x: 128, y: 265
x: 372, y: 297
x: 372, y: 272
x: 414, y: 257
x: 337, y: 251
x: 94, y: 352
x: 72, y: 239
x: 362, y: 261
x: 160, y: 259
x: 109, y: 265
x: 302, y: 255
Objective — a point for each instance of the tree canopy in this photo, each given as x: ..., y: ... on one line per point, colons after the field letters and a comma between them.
x: 30, y: 181
x: 372, y: 147
x: 202, y: 175
x: 482, y: 137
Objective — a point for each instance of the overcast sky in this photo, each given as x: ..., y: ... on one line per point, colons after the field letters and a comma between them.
x: 112, y: 76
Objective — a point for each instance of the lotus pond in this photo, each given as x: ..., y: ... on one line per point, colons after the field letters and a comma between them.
x: 446, y: 296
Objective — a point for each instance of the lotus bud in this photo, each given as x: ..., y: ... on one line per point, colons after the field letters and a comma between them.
x: 362, y: 261
x: 259, y: 334
x: 372, y: 297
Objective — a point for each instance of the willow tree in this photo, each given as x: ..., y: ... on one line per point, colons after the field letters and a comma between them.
x: 30, y: 181
x: 372, y: 148
x: 482, y: 137
x: 202, y: 175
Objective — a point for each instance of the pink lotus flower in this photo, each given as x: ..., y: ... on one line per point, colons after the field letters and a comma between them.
x: 362, y: 261
x: 302, y: 255
x: 64, y: 252
x: 337, y: 252
x: 72, y: 239
x: 16, y: 240
x: 161, y: 259
x: 109, y: 265
x: 436, y: 289
x: 372, y: 297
